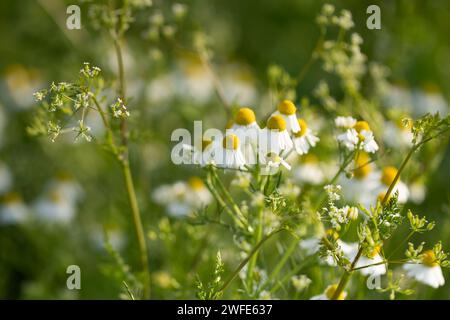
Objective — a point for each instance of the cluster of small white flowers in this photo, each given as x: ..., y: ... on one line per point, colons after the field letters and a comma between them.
x: 245, y: 144
x: 119, y: 109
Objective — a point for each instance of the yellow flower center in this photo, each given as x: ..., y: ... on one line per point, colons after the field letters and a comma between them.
x: 381, y: 196
x: 245, y: 116
x: 388, y: 174
x: 303, y: 127
x: 429, y: 258
x: 230, y: 142
x: 12, y: 197
x: 363, y: 168
x: 361, y: 125
x: 64, y: 176
x: 374, y: 252
x: 332, y: 234
x: 276, y: 123
x: 55, y: 196
x: 205, y: 144
x: 330, y: 290
x: 310, y: 158
x: 286, y: 107
x: 196, y: 183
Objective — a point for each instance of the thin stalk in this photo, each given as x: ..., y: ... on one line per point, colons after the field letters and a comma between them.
x: 246, y: 260
x: 137, y: 226
x: 258, y: 237
x: 347, y: 274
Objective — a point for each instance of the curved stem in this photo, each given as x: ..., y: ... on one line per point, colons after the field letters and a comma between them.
x: 245, y: 261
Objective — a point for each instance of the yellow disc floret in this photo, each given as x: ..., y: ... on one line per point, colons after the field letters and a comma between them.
x: 12, y: 197
x: 276, y: 123
x: 374, y: 252
x: 245, y: 116
x: 303, y: 127
x: 230, y: 142
x: 205, y: 144
x: 388, y: 175
x: 429, y: 258
x: 362, y: 165
x: 330, y: 290
x: 361, y: 125
x: 286, y: 107
x: 196, y: 183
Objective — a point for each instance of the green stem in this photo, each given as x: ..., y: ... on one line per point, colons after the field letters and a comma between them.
x: 246, y: 260
x: 258, y: 237
x: 347, y: 274
x: 137, y: 226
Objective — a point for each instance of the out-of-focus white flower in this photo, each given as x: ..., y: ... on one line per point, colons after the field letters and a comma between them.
x: 304, y: 139
x: 5, y: 178
x: 398, y: 97
x: 274, y: 138
x: 429, y: 100
x: 351, y: 250
x: 110, y: 232
x: 417, y: 192
x: 161, y: 89
x: 67, y: 187
x: 345, y: 122
x: 182, y: 198
x: 193, y: 155
x: 361, y: 186
x: 13, y: 210
x: 300, y: 282
x: 309, y: 171
x: 271, y: 163
x: 196, y: 81
x: 228, y: 154
x: 360, y: 136
x: 22, y: 83
x: 385, y: 178
x: 289, y: 189
x: 287, y: 110
x: 329, y: 293
x: 427, y: 272
x: 396, y: 135
x: 239, y: 86
x: 54, y: 207
x: 247, y: 130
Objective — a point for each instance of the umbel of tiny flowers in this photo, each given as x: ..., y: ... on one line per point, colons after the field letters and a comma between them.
x: 357, y: 135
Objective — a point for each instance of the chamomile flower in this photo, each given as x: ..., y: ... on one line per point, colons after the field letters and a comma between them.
x: 397, y: 135
x: 68, y: 188
x: 345, y: 122
x: 351, y: 250
x: 274, y: 138
x: 304, y: 139
x: 429, y: 100
x: 287, y: 110
x: 22, y: 83
x: 110, y: 233
x: 247, y: 130
x: 271, y: 164
x: 196, y: 80
x: 329, y: 293
x: 54, y: 207
x: 193, y: 155
x: 427, y: 272
x: 359, y: 136
x: 183, y: 198
x: 385, y: 178
x: 309, y: 171
x: 13, y: 210
x: 228, y: 154
x: 239, y: 85
x: 360, y: 187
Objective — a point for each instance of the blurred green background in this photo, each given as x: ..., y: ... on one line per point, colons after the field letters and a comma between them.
x: 413, y: 42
